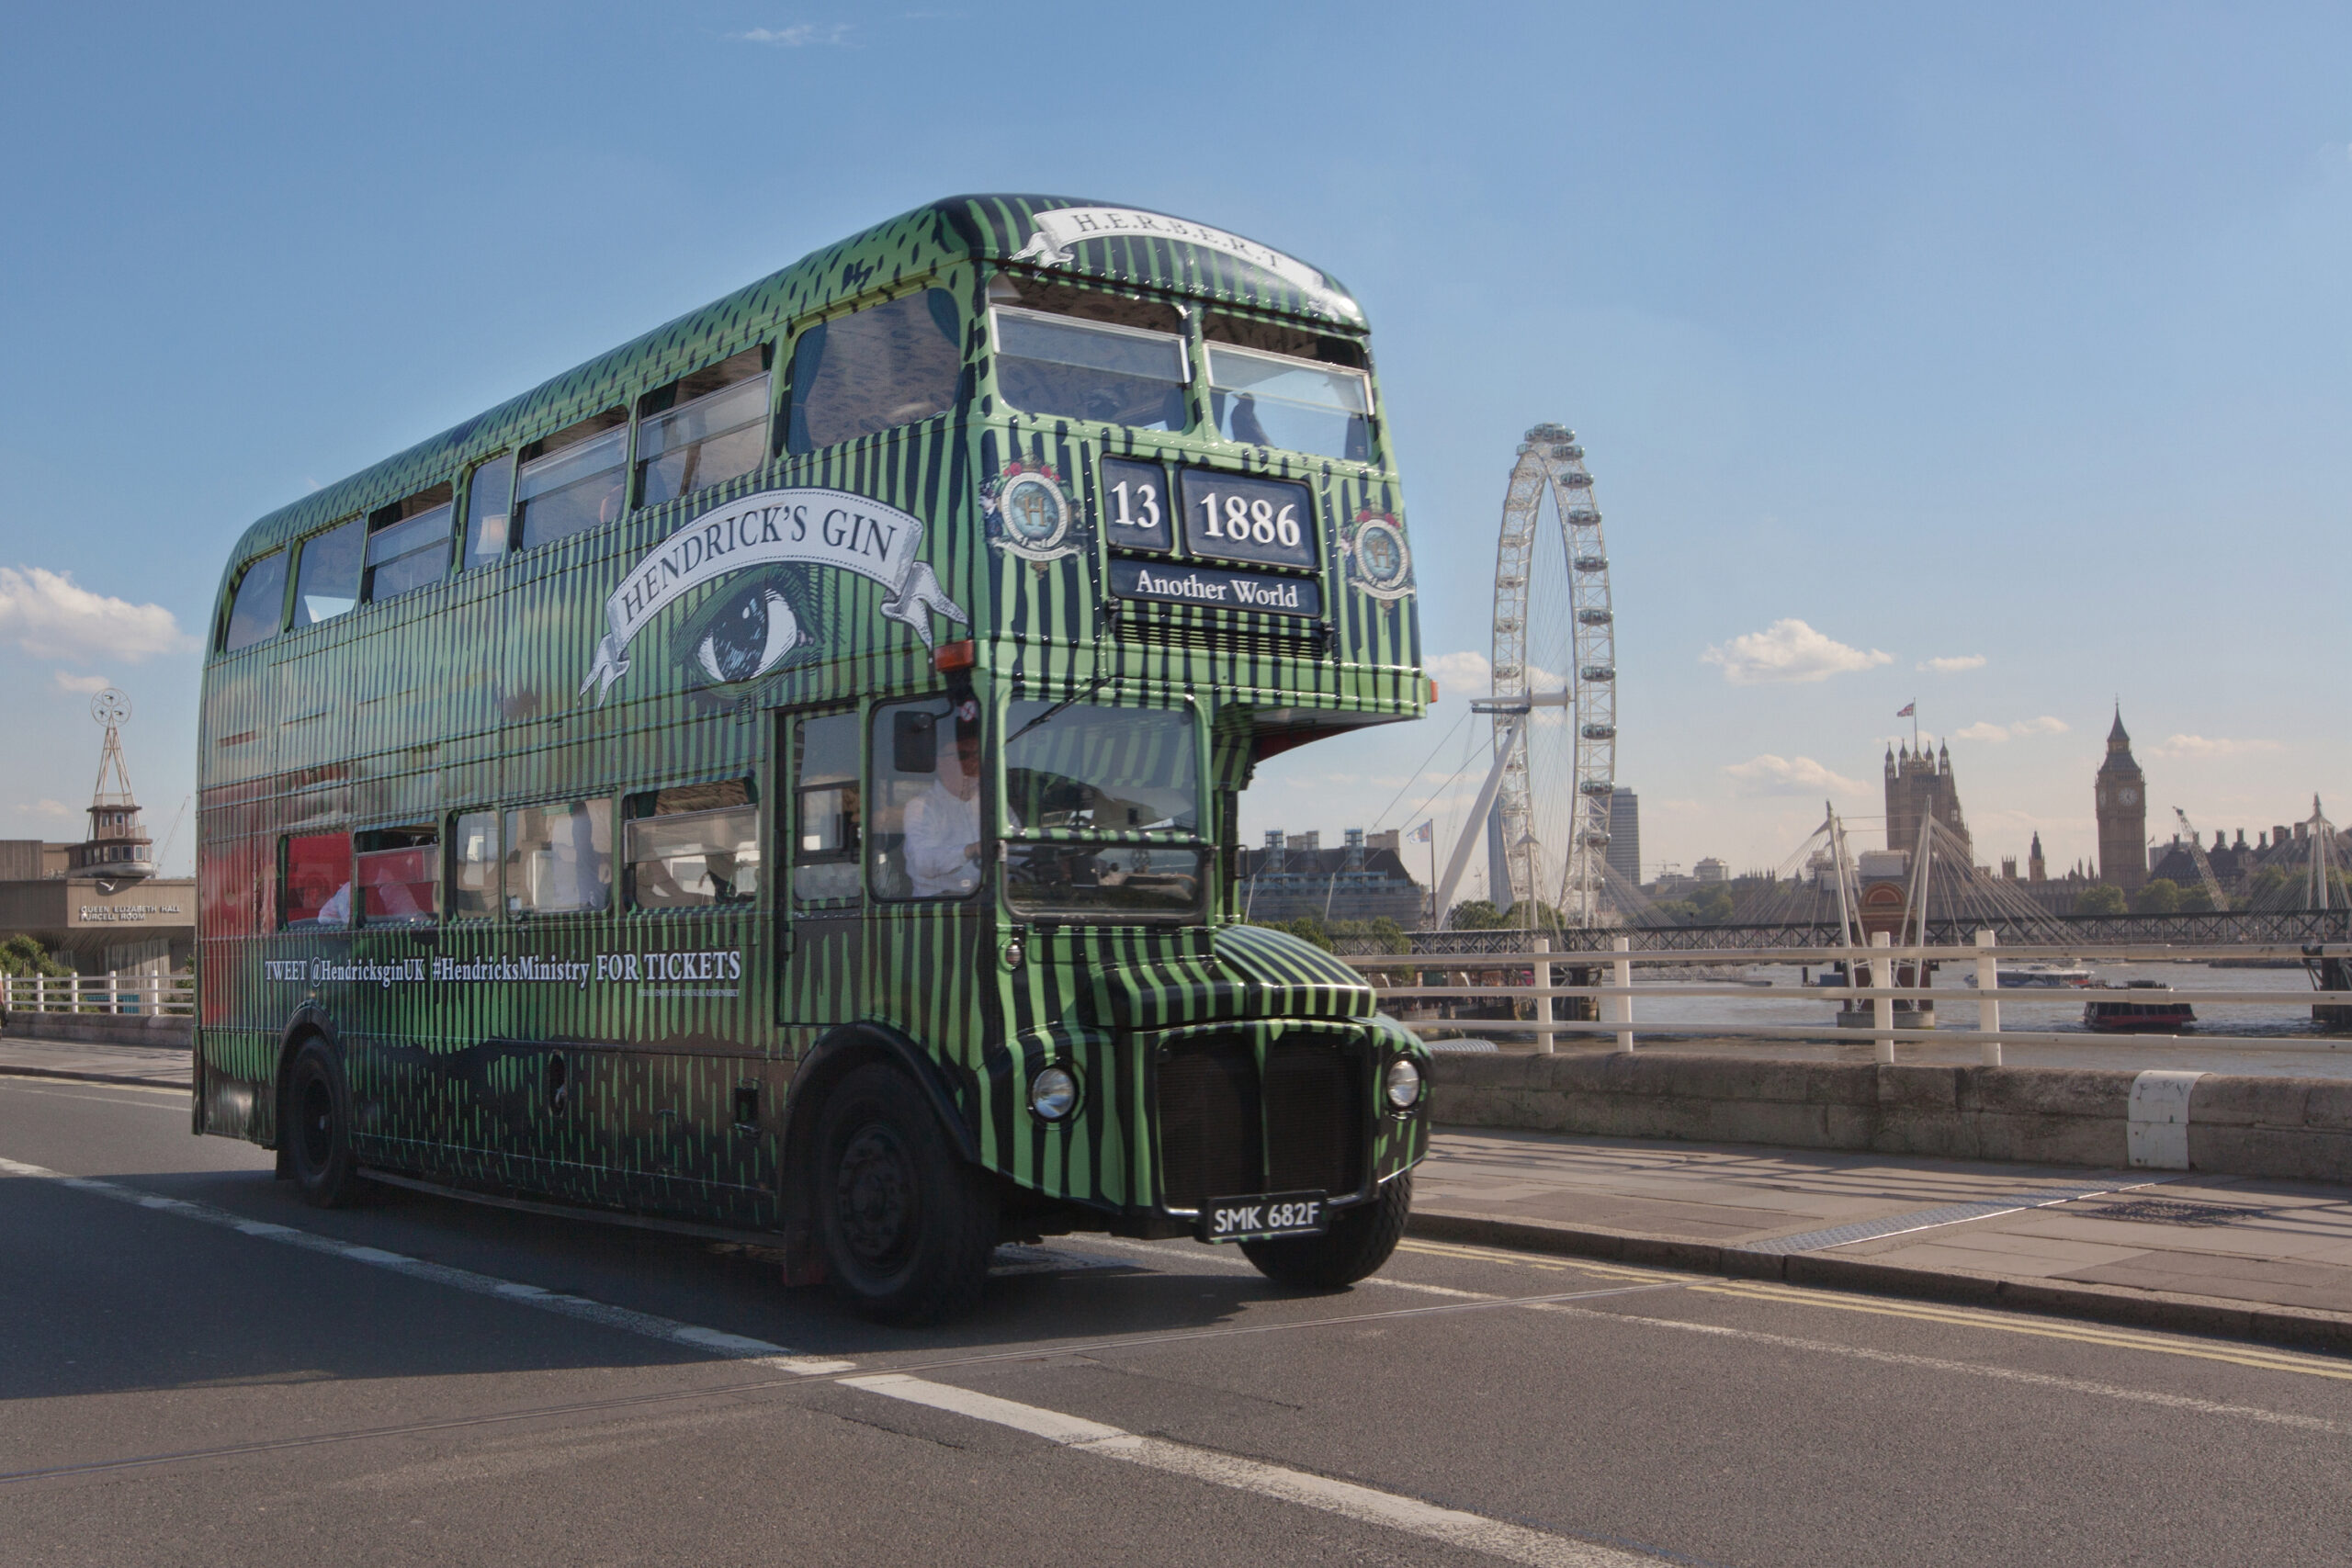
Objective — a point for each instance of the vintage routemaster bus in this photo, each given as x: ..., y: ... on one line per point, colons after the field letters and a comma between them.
x: 783, y: 774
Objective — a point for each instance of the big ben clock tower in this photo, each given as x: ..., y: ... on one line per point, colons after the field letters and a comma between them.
x: 2123, y: 797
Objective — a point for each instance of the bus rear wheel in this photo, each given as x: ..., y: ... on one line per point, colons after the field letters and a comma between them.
x: 317, y: 1135
x: 907, y: 1226
x: 1357, y: 1243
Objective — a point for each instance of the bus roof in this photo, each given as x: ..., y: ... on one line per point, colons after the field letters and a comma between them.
x: 1119, y: 244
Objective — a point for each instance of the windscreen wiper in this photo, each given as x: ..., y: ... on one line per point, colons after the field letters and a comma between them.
x: 1072, y: 701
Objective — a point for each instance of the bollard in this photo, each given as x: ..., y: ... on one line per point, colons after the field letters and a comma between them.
x: 1883, y: 1008
x: 1621, y: 975
x: 1988, y: 997
x: 1540, y: 977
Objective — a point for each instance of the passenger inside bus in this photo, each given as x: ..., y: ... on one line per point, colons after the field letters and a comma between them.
x: 942, y: 823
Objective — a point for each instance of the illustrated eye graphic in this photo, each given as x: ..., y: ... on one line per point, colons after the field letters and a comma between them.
x: 751, y: 638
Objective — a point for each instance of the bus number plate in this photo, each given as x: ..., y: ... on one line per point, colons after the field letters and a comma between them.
x: 1269, y: 1214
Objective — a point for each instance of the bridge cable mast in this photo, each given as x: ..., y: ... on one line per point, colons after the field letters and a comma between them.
x: 2204, y: 866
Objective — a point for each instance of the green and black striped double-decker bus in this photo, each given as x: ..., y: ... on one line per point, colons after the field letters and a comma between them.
x: 783, y: 774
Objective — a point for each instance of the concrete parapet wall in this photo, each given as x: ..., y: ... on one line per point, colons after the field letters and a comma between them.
x: 162, y: 1032
x: 2298, y: 1129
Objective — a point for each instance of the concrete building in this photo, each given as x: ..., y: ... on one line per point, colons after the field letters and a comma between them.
x: 2120, y: 795
x: 1711, y: 870
x: 1921, y: 786
x: 1291, y: 876
x: 1625, y: 835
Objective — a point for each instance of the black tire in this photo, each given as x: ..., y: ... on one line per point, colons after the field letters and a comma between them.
x: 1357, y: 1243
x: 906, y: 1224
x: 317, y: 1133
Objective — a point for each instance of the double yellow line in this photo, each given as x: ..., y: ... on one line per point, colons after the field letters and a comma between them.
x: 1924, y: 1311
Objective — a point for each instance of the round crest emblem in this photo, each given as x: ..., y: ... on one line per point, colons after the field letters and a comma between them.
x: 1028, y: 513
x: 1379, y: 561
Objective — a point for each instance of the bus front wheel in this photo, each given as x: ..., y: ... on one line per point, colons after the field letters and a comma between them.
x: 908, y: 1227
x: 317, y: 1135
x: 1357, y: 1243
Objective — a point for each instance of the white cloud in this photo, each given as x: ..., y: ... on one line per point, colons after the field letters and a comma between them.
x: 1461, y: 675
x: 797, y: 35
x: 2046, y: 724
x: 50, y: 616
x: 1953, y: 664
x: 1767, y: 774
x: 47, y: 809
x: 2199, y: 746
x: 82, y: 685
x: 1789, y: 651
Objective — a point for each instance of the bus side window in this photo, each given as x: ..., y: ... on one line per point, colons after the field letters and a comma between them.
x: 560, y: 857
x: 259, y: 605
x: 925, y: 839
x: 473, y: 866
x: 327, y: 583
x: 396, y: 876
x: 317, y: 883
x: 489, y: 496
x: 826, y: 824
x: 693, y: 845
x: 703, y: 429
x: 408, y: 544
x: 572, y: 481
x: 873, y: 370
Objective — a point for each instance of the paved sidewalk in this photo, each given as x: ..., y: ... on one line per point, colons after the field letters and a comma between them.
x: 166, y: 1068
x: 2229, y: 1255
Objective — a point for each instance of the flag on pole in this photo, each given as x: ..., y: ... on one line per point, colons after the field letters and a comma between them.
x: 1421, y: 833
x: 1907, y: 710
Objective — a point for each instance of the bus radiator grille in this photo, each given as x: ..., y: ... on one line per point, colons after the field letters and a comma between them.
x: 1315, y: 1119
x: 1307, y: 641
x: 1208, y: 1123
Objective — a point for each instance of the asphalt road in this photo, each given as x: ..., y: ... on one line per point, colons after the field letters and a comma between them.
x: 195, y: 1368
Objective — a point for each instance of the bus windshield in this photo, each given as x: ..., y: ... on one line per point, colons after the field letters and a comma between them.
x: 1076, y: 771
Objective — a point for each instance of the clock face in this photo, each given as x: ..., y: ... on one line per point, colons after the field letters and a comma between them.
x: 2130, y: 795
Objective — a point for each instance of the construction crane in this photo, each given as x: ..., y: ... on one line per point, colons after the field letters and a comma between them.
x: 2204, y: 866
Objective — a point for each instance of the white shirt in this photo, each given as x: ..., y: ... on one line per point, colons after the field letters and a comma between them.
x: 939, y: 828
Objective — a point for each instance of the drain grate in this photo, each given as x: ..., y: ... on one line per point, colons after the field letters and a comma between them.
x: 2173, y: 1211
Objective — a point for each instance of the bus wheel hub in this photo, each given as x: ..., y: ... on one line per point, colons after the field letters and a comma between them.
x: 874, y: 1194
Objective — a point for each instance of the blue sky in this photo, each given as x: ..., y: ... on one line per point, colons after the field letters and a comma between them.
x: 2018, y: 339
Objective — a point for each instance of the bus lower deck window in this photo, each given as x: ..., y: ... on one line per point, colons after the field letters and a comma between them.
x: 396, y: 876
x: 327, y: 583
x: 473, y: 866
x: 560, y: 858
x: 925, y: 837
x: 693, y: 845
x: 317, y: 882
x: 826, y: 815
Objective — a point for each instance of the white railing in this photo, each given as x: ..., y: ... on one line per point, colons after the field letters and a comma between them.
x: 111, y: 994
x: 1615, y: 1000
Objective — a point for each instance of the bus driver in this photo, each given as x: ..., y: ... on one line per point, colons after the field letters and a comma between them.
x: 942, y: 823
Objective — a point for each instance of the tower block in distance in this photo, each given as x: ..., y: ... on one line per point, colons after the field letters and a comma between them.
x: 2122, y: 802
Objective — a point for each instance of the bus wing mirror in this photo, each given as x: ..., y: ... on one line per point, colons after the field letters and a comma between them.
x: 914, y: 744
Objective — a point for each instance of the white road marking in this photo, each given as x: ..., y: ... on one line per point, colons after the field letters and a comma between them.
x: 1474, y: 1532
x: 642, y: 1323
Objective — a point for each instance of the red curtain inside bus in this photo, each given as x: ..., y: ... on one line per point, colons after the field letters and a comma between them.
x: 396, y: 884
x: 318, y: 880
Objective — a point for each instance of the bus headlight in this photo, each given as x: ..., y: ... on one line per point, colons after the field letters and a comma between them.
x: 1404, y: 1084
x: 1053, y: 1094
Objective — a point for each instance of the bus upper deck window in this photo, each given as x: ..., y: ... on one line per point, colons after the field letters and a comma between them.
x: 824, y: 853
x: 408, y: 544
x: 489, y: 497
x: 396, y: 876
x: 874, y: 369
x: 572, y: 481
x: 1091, y: 370
x: 560, y: 857
x: 473, y: 866
x: 1298, y: 405
x: 693, y: 845
x: 317, y: 882
x: 259, y: 605
x: 703, y: 429
x: 327, y: 583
